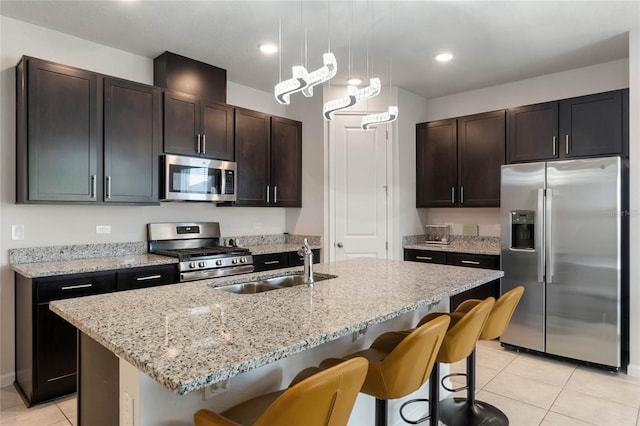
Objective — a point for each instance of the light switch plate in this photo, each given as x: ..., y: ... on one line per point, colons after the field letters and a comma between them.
x: 17, y: 232
x: 103, y: 229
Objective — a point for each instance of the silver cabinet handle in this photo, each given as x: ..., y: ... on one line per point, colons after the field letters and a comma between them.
x: 150, y: 277
x: 272, y: 262
x: 108, y: 186
x: 204, y: 143
x: 340, y: 245
x: 267, y: 194
x: 198, y: 151
x: 275, y: 194
x: 93, y: 186
x: 470, y: 262
x: 462, y: 195
x: 74, y: 287
x: 424, y: 257
x: 554, y: 146
x: 566, y: 144
x: 453, y: 195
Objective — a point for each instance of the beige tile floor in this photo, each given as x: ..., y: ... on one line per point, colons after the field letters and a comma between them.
x: 530, y: 390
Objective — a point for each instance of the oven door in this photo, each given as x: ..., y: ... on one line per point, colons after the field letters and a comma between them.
x: 198, y: 179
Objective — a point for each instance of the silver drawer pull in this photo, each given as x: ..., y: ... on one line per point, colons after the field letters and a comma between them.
x: 424, y: 257
x: 150, y: 277
x: 272, y: 262
x: 61, y: 377
x: 74, y: 287
x: 470, y: 262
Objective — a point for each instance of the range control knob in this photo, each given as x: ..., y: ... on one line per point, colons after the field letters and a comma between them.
x: 234, y: 261
x: 192, y: 265
x: 202, y: 264
x: 219, y: 262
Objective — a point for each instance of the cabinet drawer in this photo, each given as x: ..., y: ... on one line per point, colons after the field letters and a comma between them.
x: 296, y: 260
x: 426, y: 256
x: 265, y: 262
x: 473, y: 260
x: 48, y: 289
x: 146, y: 277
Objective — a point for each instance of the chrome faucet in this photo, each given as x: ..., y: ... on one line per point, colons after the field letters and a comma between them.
x: 306, y: 252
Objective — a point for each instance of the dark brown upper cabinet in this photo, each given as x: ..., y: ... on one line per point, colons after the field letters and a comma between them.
x: 269, y: 158
x: 458, y: 161
x: 84, y: 137
x: 584, y: 126
x: 131, y: 141
x: 533, y: 132
x: 197, y: 127
x: 58, y: 133
x: 186, y: 75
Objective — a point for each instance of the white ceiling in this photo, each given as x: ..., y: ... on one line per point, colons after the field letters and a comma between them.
x: 494, y: 42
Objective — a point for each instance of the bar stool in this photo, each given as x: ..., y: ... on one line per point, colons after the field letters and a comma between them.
x: 468, y: 411
x: 316, y: 397
x: 459, y: 342
x: 399, y: 363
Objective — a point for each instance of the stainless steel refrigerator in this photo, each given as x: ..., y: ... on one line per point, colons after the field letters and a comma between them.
x: 564, y: 237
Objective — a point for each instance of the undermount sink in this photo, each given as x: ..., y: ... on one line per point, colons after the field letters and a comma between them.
x: 273, y: 283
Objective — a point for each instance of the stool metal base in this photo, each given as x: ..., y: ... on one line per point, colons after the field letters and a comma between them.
x: 457, y: 412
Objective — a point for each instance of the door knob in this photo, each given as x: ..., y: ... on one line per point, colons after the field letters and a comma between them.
x: 339, y: 245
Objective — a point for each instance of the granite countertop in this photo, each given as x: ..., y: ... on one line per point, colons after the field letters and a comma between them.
x: 277, y: 248
x: 458, y: 244
x: 95, y: 264
x: 190, y: 335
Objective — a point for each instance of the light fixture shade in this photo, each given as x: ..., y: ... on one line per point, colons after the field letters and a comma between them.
x: 329, y: 109
x: 380, y: 118
x: 322, y: 74
x: 373, y: 89
x: 292, y: 85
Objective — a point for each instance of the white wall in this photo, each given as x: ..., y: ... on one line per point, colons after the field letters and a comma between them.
x: 47, y: 225
x: 582, y: 81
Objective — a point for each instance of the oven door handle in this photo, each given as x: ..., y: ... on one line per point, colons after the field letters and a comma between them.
x: 215, y: 273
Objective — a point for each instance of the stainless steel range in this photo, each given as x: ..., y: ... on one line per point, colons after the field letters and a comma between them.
x: 197, y: 246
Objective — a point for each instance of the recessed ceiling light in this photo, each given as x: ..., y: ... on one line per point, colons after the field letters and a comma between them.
x: 444, y: 57
x: 355, y: 81
x: 268, y: 48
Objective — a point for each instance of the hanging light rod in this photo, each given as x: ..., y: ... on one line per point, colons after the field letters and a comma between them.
x: 292, y: 85
x: 322, y: 74
x: 380, y: 118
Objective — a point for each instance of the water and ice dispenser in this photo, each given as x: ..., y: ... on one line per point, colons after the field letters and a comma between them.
x: 522, y: 229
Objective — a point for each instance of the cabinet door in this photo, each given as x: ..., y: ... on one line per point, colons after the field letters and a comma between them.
x: 532, y: 132
x: 252, y: 156
x: 146, y: 277
x: 217, y: 131
x: 131, y: 141
x: 481, y: 146
x: 181, y: 124
x: 266, y: 262
x: 286, y: 162
x: 424, y: 256
x: 63, y: 137
x: 592, y: 125
x: 436, y: 166
x: 55, y: 340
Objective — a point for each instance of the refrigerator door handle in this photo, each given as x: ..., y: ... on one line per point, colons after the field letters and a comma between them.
x: 548, y: 237
x: 539, y: 235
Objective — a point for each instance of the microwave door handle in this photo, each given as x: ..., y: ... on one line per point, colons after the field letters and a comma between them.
x: 539, y: 235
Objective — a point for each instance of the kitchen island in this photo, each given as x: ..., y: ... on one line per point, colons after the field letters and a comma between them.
x: 176, y: 344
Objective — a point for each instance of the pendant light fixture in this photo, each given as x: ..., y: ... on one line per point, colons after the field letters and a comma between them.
x: 330, y: 108
x: 322, y: 74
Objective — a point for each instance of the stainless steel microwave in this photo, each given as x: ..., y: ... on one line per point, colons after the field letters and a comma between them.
x: 197, y: 179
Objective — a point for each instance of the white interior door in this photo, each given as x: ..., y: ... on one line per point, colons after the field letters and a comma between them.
x: 359, y: 190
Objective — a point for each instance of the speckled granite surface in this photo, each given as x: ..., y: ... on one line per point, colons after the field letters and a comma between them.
x: 190, y: 335
x: 458, y: 244
x: 78, y: 266
x: 276, y: 240
x: 72, y: 252
x: 277, y: 248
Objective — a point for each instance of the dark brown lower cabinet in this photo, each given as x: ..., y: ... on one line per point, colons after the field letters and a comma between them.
x: 266, y: 262
x: 490, y: 289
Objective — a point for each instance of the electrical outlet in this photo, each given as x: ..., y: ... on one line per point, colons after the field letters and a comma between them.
x: 103, y: 229
x: 257, y: 225
x: 17, y: 232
